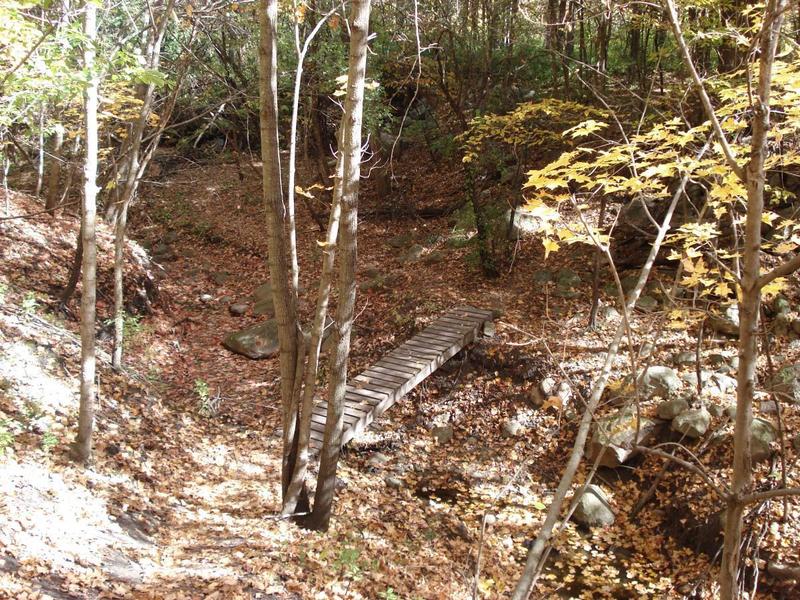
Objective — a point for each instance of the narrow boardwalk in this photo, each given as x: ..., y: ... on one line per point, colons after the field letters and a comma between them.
x: 379, y: 387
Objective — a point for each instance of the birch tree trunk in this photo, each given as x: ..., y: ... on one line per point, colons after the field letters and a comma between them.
x: 283, y: 293
x: 83, y: 443
x: 351, y: 172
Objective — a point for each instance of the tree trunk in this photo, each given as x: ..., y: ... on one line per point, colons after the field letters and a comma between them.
x: 351, y: 149
x: 135, y: 164
x: 54, y: 172
x: 119, y: 287
x: 284, y: 299
x: 74, y: 272
x: 297, y: 483
x: 83, y: 443
x: 750, y: 302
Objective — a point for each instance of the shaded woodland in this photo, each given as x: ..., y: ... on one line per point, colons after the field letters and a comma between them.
x: 392, y: 300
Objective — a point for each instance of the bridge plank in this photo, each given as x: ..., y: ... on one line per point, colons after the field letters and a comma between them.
x: 375, y: 390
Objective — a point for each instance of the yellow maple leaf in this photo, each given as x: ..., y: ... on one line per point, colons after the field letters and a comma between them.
x: 550, y: 245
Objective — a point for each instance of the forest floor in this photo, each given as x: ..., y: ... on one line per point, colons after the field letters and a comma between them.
x: 183, y: 498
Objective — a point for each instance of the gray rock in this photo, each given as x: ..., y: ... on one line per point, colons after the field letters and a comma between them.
x: 684, y: 359
x: 237, y: 310
x: 629, y: 282
x: 646, y: 350
x: 371, y: 272
x: 659, y: 381
x: 615, y: 435
x: 763, y: 433
x: 786, y: 383
x: 647, y: 303
x: 513, y: 428
x: 548, y: 386
x: 443, y: 435
x: 562, y: 292
x: 796, y: 326
x: 722, y: 363
x: 542, y: 276
x: 263, y: 292
x: 524, y: 222
x: 257, y: 341
x: 769, y: 407
x: 781, y: 305
x: 692, y: 423
x: 669, y: 409
x: 782, y: 325
x: 727, y: 322
x: 399, y: 241
x: 220, y: 277
x: 206, y: 298
x: 593, y: 508
x: 567, y: 278
x: 413, y: 254
x: 378, y: 460
x: 714, y: 384
x: 609, y: 313
x: 393, y: 482
x: 720, y: 409
x: 433, y: 258
x: 724, y: 383
x: 264, y: 308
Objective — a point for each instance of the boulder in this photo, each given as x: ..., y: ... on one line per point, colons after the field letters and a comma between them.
x: 257, y: 341
x: 433, y: 258
x: 659, y: 381
x: 393, y: 482
x: 615, y: 435
x: 264, y: 308
x: 542, y: 276
x: 593, y: 508
x: 238, y: 309
x: 524, y: 222
x: 220, y: 277
x: 722, y: 363
x: 443, y: 434
x: 684, y: 359
x: 377, y: 460
x: 647, y: 303
x: 399, y: 241
x: 714, y: 384
x: 413, y: 254
x: 566, y: 282
x: 786, y: 384
x: 762, y: 434
x: 609, y: 313
x: 567, y: 278
x: 513, y: 428
x: 726, y: 322
x: 669, y: 409
x: 692, y: 423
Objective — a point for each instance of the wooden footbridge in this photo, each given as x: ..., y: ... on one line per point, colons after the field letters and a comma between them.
x: 375, y: 390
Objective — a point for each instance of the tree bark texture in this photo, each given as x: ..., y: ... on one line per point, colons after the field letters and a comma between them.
x: 351, y: 149
x: 284, y: 299
x: 83, y: 442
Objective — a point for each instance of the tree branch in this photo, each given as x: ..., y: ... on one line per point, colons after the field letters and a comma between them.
x: 782, y: 270
x: 769, y: 494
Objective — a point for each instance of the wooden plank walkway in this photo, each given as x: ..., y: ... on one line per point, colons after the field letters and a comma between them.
x: 375, y: 390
